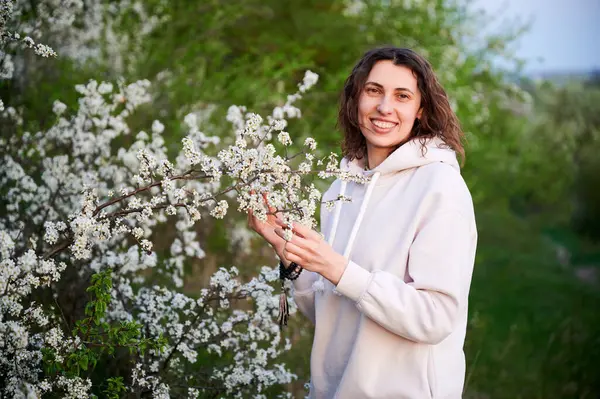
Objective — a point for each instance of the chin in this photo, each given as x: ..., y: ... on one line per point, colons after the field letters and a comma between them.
x: 384, y: 142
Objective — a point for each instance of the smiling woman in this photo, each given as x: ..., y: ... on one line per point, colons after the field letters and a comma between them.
x: 391, y: 96
x: 388, y: 289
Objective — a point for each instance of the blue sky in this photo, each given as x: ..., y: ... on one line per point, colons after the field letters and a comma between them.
x: 564, y: 34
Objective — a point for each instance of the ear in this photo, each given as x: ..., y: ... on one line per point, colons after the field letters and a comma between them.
x: 419, y: 113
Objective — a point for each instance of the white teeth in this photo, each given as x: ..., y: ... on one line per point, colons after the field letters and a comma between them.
x: 383, y: 125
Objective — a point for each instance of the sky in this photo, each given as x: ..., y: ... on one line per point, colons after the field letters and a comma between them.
x: 564, y: 35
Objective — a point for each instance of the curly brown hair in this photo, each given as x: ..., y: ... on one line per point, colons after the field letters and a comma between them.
x: 437, y: 119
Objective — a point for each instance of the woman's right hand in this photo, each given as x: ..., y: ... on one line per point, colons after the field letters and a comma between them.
x: 267, y: 230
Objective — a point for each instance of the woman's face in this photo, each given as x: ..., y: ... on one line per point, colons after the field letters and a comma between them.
x: 388, y: 106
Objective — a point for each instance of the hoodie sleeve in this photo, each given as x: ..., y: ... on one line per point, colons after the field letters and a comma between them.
x: 440, y: 265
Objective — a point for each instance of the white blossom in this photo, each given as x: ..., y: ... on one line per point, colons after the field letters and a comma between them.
x: 220, y: 210
x: 284, y: 138
x: 191, y: 120
x: 100, y: 206
x: 310, y: 143
x: 51, y: 235
x: 58, y: 107
x: 309, y: 80
x: 157, y: 127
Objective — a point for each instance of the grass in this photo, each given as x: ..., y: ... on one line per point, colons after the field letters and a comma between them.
x: 534, y: 331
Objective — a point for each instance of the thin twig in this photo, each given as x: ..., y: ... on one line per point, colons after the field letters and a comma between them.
x: 183, y: 176
x: 58, y: 249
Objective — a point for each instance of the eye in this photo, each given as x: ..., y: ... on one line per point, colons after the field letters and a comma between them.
x: 403, y: 96
x: 372, y: 90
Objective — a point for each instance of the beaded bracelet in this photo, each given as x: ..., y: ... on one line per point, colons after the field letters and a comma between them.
x: 292, y: 272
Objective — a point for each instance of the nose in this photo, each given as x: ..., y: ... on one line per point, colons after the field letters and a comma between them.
x: 384, y: 106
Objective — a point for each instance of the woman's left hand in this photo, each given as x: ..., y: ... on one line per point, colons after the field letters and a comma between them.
x: 308, y: 249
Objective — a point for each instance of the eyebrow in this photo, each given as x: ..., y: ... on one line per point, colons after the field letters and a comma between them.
x: 396, y: 89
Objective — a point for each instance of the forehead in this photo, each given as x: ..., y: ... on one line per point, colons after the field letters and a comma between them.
x: 392, y: 76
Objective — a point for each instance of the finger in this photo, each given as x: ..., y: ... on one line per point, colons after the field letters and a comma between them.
x: 255, y: 224
x: 271, y: 209
x: 296, y: 240
x: 280, y: 233
x: 292, y: 257
x: 280, y: 222
x: 306, y: 232
x: 286, y: 226
x: 274, y: 213
x: 294, y: 251
x: 250, y: 219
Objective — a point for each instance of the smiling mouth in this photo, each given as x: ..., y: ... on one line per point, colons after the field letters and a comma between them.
x: 383, y: 125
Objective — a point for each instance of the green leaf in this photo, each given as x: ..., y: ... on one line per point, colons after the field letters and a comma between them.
x: 83, y: 362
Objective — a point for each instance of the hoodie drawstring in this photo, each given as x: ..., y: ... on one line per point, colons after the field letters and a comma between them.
x: 319, y: 284
x: 336, y: 215
x: 363, y: 208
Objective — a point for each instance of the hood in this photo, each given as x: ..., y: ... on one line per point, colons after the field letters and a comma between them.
x: 407, y: 156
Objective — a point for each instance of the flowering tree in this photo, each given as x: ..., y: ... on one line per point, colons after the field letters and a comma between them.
x: 82, y: 202
x: 84, y: 32
x: 82, y: 209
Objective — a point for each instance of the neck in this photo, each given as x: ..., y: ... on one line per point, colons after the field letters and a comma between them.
x: 375, y: 156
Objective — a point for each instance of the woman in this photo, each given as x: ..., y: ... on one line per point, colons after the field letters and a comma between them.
x: 388, y: 290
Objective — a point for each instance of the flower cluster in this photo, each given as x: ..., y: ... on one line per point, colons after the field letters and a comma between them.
x: 206, y: 327
x: 77, y: 203
x: 90, y: 205
x: 81, y: 30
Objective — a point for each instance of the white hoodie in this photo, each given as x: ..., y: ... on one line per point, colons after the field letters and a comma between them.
x: 394, y: 327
